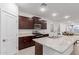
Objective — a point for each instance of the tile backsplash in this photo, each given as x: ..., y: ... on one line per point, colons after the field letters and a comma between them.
x: 29, y: 31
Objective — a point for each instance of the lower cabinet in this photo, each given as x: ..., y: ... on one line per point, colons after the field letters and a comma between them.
x: 25, y: 42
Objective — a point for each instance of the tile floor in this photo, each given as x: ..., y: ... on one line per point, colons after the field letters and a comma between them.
x: 27, y: 51
x: 31, y: 51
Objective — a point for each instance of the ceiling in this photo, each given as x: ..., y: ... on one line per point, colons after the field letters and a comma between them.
x: 62, y: 9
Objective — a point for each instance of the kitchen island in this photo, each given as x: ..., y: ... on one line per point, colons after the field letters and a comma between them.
x: 62, y: 45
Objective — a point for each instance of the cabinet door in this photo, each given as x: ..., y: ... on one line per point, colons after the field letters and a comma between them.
x: 22, y: 22
x: 31, y: 26
x: 43, y: 24
x: 8, y: 33
x: 25, y: 42
x: 25, y: 23
x: 36, y: 21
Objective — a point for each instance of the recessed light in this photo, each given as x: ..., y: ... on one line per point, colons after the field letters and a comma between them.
x: 54, y: 14
x: 42, y: 9
x: 66, y: 17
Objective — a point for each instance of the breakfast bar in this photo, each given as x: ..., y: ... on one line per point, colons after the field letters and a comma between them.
x: 62, y: 45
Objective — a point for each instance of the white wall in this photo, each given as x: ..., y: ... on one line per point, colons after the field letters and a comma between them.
x: 29, y: 31
x: 62, y: 27
x: 10, y: 7
x: 56, y: 25
x: 52, y: 24
x: 49, y: 23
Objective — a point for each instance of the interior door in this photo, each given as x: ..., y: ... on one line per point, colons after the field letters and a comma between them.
x: 8, y: 34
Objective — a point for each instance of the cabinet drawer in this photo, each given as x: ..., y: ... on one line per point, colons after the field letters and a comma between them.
x: 25, y: 42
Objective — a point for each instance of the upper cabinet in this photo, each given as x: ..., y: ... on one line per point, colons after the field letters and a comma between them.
x: 37, y: 20
x: 28, y: 23
x: 25, y: 23
x: 43, y: 24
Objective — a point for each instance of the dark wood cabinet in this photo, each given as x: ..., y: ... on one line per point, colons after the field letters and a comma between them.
x: 22, y: 22
x: 38, y: 49
x: 28, y: 23
x: 37, y: 20
x: 25, y: 42
x: 25, y: 23
x: 43, y: 24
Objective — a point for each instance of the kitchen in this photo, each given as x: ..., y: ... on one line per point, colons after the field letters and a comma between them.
x: 59, y: 30
x: 39, y: 29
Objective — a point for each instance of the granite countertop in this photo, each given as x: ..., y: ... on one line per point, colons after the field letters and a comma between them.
x: 26, y: 34
x: 60, y: 44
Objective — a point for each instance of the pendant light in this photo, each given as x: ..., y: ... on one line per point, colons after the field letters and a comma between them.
x: 43, y: 7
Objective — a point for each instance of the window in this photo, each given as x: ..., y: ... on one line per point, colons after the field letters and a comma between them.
x: 76, y: 28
